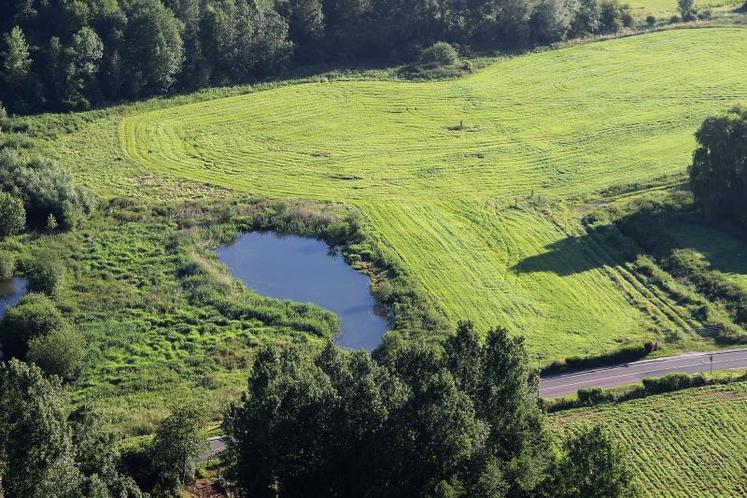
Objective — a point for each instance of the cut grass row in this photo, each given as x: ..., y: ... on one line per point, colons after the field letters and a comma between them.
x: 478, y: 215
x: 683, y: 444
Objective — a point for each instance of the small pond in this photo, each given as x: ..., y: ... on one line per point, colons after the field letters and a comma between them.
x: 303, y: 270
x: 11, y: 291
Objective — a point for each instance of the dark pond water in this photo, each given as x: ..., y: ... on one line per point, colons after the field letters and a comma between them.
x: 11, y: 291
x: 303, y: 270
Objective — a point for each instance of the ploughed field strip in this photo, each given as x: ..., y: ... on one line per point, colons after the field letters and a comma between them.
x: 478, y: 212
x: 683, y: 444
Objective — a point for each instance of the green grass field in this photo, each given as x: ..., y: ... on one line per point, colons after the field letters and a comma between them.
x: 684, y: 444
x: 484, y: 217
x: 664, y: 9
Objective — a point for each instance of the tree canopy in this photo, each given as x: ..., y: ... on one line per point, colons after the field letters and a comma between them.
x: 62, y: 55
x: 718, y: 173
x: 410, y: 420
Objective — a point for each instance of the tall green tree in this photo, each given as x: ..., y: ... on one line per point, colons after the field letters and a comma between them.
x: 16, y: 58
x: 36, y: 451
x: 154, y: 48
x: 718, y: 173
x: 176, y: 446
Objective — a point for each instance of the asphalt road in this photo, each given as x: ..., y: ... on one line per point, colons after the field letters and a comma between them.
x: 630, y: 373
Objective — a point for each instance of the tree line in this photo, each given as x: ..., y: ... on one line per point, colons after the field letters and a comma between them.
x: 412, y: 419
x: 70, y: 55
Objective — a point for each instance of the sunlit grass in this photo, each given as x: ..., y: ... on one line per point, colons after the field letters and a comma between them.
x: 481, y: 214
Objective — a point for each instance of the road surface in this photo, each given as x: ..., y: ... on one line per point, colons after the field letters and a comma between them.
x: 630, y: 373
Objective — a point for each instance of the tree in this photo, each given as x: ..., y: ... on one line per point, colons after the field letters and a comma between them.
x: 411, y: 420
x: 34, y: 316
x: 60, y: 353
x: 36, y: 451
x: 85, y: 56
x: 97, y: 457
x: 16, y: 58
x: 552, y: 19
x: 154, y: 48
x: 176, y: 447
x: 12, y: 215
x: 592, y: 466
x: 718, y: 173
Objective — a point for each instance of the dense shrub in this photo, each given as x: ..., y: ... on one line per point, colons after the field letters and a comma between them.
x: 34, y: 316
x: 672, y: 382
x: 45, y: 190
x: 439, y: 54
x: 12, y: 215
x: 650, y: 21
x: 45, y: 274
x: 60, y: 352
x: 7, y: 265
x: 628, y: 353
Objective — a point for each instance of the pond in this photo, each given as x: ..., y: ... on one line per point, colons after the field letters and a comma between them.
x: 304, y: 270
x: 11, y: 291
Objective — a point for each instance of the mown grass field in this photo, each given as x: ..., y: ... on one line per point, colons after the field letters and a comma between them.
x: 482, y: 215
x: 683, y: 444
x: 664, y: 9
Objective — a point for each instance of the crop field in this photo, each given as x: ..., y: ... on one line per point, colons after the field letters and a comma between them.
x: 473, y: 182
x: 683, y: 444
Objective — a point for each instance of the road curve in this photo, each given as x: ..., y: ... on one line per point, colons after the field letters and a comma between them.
x: 629, y: 373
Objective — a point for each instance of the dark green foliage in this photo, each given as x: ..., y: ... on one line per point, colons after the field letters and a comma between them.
x: 73, y: 55
x: 36, y: 451
x: 176, y: 446
x: 44, y: 453
x: 97, y: 458
x: 45, y: 189
x: 672, y: 382
x: 412, y: 420
x: 718, y: 174
x: 58, y: 353
x: 592, y: 466
x: 622, y: 355
x: 439, y: 54
x: 650, y: 21
x: 12, y: 215
x: 45, y: 274
x: 34, y: 316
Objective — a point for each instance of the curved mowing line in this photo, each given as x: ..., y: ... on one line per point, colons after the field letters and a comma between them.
x: 557, y: 125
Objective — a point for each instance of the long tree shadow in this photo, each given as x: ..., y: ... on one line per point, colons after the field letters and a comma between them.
x: 577, y: 254
x: 656, y: 232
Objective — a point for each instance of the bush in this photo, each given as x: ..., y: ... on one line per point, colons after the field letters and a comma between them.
x: 59, y: 353
x: 7, y: 265
x: 34, y: 316
x: 46, y: 275
x: 629, y: 353
x: 12, y: 215
x: 439, y: 54
x: 674, y: 19
x: 650, y: 21
x: 672, y: 382
x: 45, y: 190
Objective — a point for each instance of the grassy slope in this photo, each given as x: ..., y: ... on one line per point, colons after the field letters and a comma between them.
x: 683, y: 444
x: 540, y: 130
x: 664, y: 9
